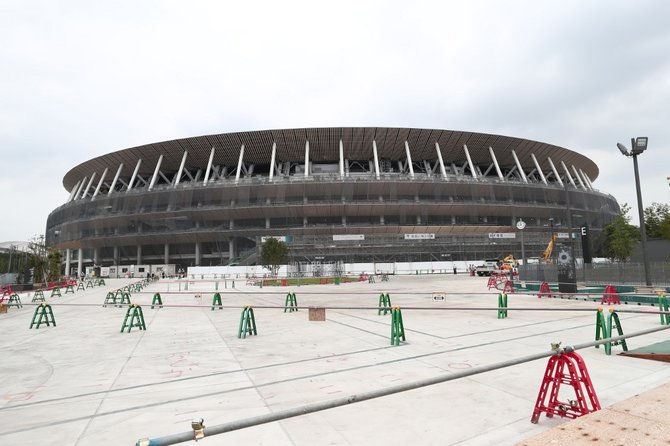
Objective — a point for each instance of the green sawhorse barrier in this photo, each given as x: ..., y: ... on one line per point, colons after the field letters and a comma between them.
x: 157, y: 301
x: 502, y: 305
x: 397, y: 327
x: 604, y: 329
x: 134, y: 318
x: 43, y: 315
x: 110, y: 299
x: 55, y: 292
x: 38, y: 296
x: 663, y: 306
x: 14, y: 301
x: 69, y: 288
x: 384, y: 304
x: 80, y: 286
x: 291, y: 303
x: 247, y: 323
x: 216, y: 301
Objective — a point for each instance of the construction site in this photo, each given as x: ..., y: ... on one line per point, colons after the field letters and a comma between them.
x: 432, y: 359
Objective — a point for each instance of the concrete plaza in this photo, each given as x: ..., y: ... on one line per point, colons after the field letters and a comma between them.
x: 84, y: 382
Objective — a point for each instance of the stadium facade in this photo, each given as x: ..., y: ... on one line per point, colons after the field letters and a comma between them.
x: 333, y: 194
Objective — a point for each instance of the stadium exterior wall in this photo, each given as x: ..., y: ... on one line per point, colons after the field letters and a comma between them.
x: 334, y: 194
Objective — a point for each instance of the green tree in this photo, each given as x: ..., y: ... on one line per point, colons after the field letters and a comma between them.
x: 38, y: 258
x: 657, y: 220
x: 621, y: 236
x: 54, y: 260
x: 274, y: 253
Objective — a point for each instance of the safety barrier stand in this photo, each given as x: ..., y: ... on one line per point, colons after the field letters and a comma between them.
x: 100, y: 282
x: 157, y: 300
x: 397, y: 327
x: 663, y: 306
x: 38, y: 296
x: 80, y: 286
x: 576, y: 376
x: 46, y: 316
x: 69, y: 288
x: 134, y: 318
x: 492, y: 283
x: 502, y: 306
x: 610, y: 296
x: 384, y: 304
x: 125, y: 299
x: 110, y: 299
x: 216, y: 301
x: 14, y: 301
x: 508, y: 287
x: 247, y: 323
x: 604, y: 329
x: 55, y: 292
x: 291, y: 303
x: 89, y: 284
x: 545, y: 290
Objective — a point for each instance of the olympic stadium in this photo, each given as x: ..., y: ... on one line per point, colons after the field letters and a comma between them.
x: 345, y: 194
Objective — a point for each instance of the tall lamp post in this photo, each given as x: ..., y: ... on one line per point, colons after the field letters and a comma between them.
x: 638, y: 146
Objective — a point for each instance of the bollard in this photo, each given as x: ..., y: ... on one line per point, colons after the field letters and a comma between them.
x: 397, y: 327
x: 46, y: 315
x: 247, y: 322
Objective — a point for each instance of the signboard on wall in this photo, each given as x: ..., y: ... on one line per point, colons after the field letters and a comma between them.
x: 341, y: 237
x: 502, y: 234
x: 281, y: 238
x: 419, y: 236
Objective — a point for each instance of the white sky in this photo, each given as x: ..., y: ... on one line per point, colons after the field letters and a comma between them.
x: 79, y: 79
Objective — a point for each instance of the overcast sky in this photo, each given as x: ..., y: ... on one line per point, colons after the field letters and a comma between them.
x: 79, y: 79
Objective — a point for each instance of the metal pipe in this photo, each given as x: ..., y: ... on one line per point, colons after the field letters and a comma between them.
x: 357, y: 398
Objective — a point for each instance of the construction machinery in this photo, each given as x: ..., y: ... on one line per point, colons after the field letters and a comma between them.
x: 546, y: 255
x: 509, y: 263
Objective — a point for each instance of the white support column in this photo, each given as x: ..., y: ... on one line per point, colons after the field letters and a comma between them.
x: 239, y: 164
x: 73, y: 192
x: 567, y: 172
x: 80, y: 262
x: 209, y: 167
x: 588, y: 180
x: 341, y: 160
x: 68, y: 253
x: 518, y: 166
x: 102, y: 178
x: 374, y: 154
x: 166, y: 253
x: 116, y: 178
x: 272, y: 160
x: 539, y: 169
x: 495, y: 163
x: 472, y: 167
x: 553, y: 168
x: 88, y: 186
x: 132, y: 178
x: 443, y: 171
x: 306, y: 159
x: 409, y: 160
x: 139, y: 255
x: 81, y: 187
x: 177, y: 178
x: 579, y: 178
x: 155, y: 176
x: 197, y: 254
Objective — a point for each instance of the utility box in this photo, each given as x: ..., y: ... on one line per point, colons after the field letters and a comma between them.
x: 317, y: 314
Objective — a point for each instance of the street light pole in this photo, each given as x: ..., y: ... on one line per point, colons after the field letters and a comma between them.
x: 643, y: 230
x: 638, y: 146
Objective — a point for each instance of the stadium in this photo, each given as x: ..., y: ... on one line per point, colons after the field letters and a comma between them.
x: 345, y: 194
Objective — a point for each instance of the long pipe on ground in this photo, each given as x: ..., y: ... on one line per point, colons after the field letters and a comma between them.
x: 357, y: 398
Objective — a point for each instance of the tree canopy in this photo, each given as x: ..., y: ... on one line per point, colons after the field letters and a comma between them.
x: 657, y: 221
x: 274, y: 253
x: 621, y: 236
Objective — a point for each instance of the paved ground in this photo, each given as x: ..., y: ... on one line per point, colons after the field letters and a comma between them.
x: 84, y: 382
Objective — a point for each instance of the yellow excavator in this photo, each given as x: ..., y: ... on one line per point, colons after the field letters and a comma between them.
x: 508, y: 263
x: 546, y: 255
